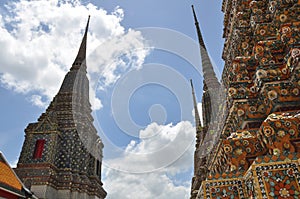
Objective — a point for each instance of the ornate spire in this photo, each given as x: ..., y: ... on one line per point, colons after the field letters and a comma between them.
x: 208, y: 70
x: 197, y: 117
x: 77, y: 153
x: 81, y: 55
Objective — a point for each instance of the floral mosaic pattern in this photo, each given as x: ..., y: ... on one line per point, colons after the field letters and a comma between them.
x: 249, y: 182
x: 279, y: 131
x: 228, y: 189
x: 240, y: 146
x: 279, y: 181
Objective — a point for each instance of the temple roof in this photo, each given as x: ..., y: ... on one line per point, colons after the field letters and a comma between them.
x: 9, y: 181
x: 7, y: 176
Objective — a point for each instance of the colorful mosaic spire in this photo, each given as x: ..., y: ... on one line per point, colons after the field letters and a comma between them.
x: 62, y: 154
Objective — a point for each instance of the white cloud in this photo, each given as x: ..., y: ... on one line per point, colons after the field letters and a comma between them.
x: 148, y: 167
x: 116, y: 56
x: 147, y: 186
x: 168, y: 145
x: 37, y: 100
x: 40, y: 39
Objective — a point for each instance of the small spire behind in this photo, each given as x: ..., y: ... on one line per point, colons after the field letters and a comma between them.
x: 197, y: 116
x: 81, y: 56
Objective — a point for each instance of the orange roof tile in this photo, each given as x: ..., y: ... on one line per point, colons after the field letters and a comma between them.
x: 8, y: 177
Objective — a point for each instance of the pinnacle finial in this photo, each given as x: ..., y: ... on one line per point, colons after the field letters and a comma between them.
x: 88, y: 21
x: 87, y: 25
x: 81, y: 56
x: 194, y: 13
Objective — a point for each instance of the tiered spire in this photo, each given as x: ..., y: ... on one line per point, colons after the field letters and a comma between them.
x: 76, y: 80
x: 208, y: 70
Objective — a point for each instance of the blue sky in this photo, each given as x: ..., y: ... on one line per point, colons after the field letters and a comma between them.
x: 142, y: 55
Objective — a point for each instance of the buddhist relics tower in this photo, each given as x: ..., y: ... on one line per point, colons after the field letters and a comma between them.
x: 62, y: 154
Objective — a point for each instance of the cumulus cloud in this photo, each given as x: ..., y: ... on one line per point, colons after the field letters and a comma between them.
x: 118, y: 54
x: 147, y: 186
x: 148, y: 166
x: 160, y: 146
x: 37, y: 100
x: 40, y: 39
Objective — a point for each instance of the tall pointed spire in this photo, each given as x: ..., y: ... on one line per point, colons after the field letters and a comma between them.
x: 81, y: 55
x: 208, y: 70
x: 197, y: 116
x: 67, y: 146
x: 76, y: 78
